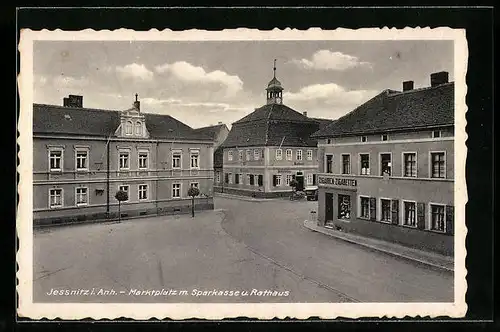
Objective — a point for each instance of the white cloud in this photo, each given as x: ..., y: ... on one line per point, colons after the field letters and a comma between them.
x: 187, y: 72
x: 63, y: 81
x: 328, y: 60
x: 330, y: 93
x: 204, y: 106
x: 134, y: 70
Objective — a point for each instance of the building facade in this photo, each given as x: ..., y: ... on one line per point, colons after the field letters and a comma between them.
x: 387, y: 168
x: 268, y: 148
x: 83, y: 156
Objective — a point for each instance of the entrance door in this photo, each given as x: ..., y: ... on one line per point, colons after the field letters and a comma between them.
x: 328, y: 208
x: 300, y: 181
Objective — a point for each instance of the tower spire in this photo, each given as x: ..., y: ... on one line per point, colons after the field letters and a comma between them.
x: 274, y: 69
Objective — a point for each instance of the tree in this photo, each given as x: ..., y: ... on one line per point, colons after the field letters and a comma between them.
x: 193, y: 192
x: 120, y: 196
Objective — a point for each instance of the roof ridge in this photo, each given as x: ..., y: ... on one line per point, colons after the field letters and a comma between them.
x: 425, y: 88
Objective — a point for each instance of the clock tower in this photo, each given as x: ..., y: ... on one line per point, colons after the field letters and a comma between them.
x: 274, y: 89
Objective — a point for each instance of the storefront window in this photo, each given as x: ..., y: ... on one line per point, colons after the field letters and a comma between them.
x: 365, y: 207
x: 386, y: 210
x: 344, y: 207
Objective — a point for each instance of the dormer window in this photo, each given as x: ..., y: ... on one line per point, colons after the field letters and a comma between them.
x: 138, y: 129
x: 128, y: 128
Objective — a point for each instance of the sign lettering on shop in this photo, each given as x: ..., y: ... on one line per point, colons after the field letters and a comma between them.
x: 337, y: 181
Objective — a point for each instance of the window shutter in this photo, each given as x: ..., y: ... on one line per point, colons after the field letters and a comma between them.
x: 395, y: 211
x: 260, y: 180
x: 450, y: 219
x: 421, y: 215
x: 274, y: 180
x: 373, y: 208
x: 314, y: 179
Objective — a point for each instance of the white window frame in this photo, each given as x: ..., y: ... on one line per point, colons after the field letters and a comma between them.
x: 138, y: 125
x: 430, y: 164
x: 288, y: 178
x: 298, y: 154
x: 403, y: 164
x: 139, y: 192
x: 61, y: 161
x: 309, y: 154
x: 440, y: 133
x: 365, y: 139
x: 127, y: 151
x: 278, y: 180
x: 380, y: 163
x: 180, y: 189
x: 192, y: 154
x: 360, y: 207
x: 230, y: 155
x: 279, y: 154
x: 429, y: 214
x: 80, y: 149
x: 230, y: 178
x: 379, y: 209
x: 240, y: 178
x: 76, y: 195
x: 326, y: 162
x: 287, y: 153
x: 240, y: 155
x: 309, y: 179
x: 139, y: 153
x: 129, y: 128
x: 256, y: 154
x: 127, y: 191
x: 382, y: 137
x: 62, y: 199
x: 248, y: 154
x: 402, y: 221
x: 342, y: 163
x: 175, y: 153
x: 360, y: 169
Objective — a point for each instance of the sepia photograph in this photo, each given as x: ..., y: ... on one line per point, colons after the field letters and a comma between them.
x: 242, y: 172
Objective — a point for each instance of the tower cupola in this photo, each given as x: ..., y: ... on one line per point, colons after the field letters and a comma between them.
x: 274, y: 89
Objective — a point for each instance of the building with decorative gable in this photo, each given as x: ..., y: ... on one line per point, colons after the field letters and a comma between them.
x: 387, y: 167
x: 83, y: 156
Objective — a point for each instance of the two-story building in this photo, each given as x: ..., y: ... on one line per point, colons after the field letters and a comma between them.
x: 83, y: 156
x: 268, y: 148
x: 387, y: 167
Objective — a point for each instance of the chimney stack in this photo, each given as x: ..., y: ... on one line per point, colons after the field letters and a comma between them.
x: 220, y: 122
x: 73, y: 101
x: 137, y: 103
x: 304, y: 113
x: 407, y: 86
x: 439, y: 78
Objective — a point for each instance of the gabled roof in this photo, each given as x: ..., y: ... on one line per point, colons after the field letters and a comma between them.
x: 392, y: 110
x: 211, y: 131
x: 54, y: 119
x: 275, y: 112
x: 218, y: 157
x: 323, y: 122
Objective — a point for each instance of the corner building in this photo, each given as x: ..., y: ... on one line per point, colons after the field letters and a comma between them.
x: 387, y: 168
x: 83, y: 156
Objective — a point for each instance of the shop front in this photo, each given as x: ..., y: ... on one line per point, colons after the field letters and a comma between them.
x: 337, y: 200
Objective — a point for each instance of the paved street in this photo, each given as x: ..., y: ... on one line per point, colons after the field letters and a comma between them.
x: 260, y: 247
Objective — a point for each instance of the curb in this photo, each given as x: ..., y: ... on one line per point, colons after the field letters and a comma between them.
x: 388, y: 252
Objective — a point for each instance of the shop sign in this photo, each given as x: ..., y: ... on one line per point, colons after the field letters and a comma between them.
x: 337, y: 181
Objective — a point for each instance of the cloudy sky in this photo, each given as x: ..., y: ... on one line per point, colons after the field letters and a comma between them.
x: 202, y: 83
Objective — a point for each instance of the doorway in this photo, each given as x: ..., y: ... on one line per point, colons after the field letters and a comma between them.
x: 299, y: 177
x: 328, y: 209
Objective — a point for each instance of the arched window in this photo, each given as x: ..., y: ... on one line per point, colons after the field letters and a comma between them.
x: 138, y: 128
x: 128, y: 128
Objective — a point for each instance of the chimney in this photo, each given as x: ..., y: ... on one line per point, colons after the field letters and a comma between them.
x: 220, y: 122
x: 137, y: 103
x: 304, y: 113
x: 407, y: 85
x: 73, y: 101
x: 439, y: 78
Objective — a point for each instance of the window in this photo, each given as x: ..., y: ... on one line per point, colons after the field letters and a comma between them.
x: 364, y: 161
x: 195, y: 185
x: 195, y: 160
x: 365, y: 207
x: 240, y: 178
x: 248, y: 178
x: 249, y: 154
x: 437, y: 218
x: 217, y: 177
x: 252, y: 178
x: 328, y: 141
x: 409, y: 214
x: 143, y: 191
x: 385, y: 137
x: 226, y: 177
x: 55, y: 160
x: 279, y: 154
x: 410, y: 164
x: 230, y: 177
x: 288, y: 154
x: 230, y: 155
x: 436, y: 133
x: 81, y: 160
x: 260, y: 179
x: 124, y: 160
x: 329, y: 163
x: 176, y: 160
x: 124, y: 188
x: 438, y: 164
x: 385, y: 163
x: 55, y: 197
x: 236, y: 179
x: 240, y: 155
x: 309, y: 179
x: 344, y: 207
x: 346, y: 164
x: 138, y: 129
x: 364, y: 139
x: 128, y: 128
x: 143, y: 160
x: 277, y: 180
x: 309, y: 154
x: 256, y: 154
x: 288, y: 178
x: 176, y: 190
x: 385, y: 205
x: 299, y: 154
x: 82, y: 197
